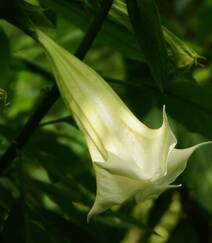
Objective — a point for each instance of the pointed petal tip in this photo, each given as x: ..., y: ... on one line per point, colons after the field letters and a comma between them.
x: 165, y: 117
x: 204, y: 143
x: 89, y: 217
x: 193, y: 148
x: 96, y: 209
x: 174, y: 186
x: 167, y: 125
x: 164, y: 109
x: 91, y: 213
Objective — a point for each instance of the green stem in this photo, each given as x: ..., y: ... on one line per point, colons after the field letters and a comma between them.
x: 52, y: 95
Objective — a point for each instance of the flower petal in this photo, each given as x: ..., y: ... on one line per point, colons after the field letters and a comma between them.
x: 129, y: 158
x: 177, y: 162
x: 157, y: 148
x: 152, y: 191
x: 112, y: 190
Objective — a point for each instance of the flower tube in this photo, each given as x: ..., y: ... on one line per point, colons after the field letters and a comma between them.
x: 130, y: 159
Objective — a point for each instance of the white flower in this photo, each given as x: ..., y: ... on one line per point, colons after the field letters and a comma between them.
x: 130, y: 159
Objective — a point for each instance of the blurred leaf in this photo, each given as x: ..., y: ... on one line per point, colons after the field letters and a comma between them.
x: 180, y: 52
x: 186, y: 102
x: 3, y: 97
x: 181, y: 5
x: 23, y: 14
x: 117, y: 31
x: 183, y: 233
x: 77, y: 213
x: 186, y: 88
x: 21, y: 228
x: 205, y: 19
x: 8, y: 191
x: 198, y: 176
x: 157, y: 211
x: 112, y: 34
x: 16, y: 224
x: 61, y: 195
x: 5, y: 57
x: 187, y: 107
x: 58, y: 151
x: 60, y: 229
x: 37, y: 15
x: 145, y: 20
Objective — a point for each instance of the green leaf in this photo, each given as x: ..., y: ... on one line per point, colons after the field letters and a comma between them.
x: 117, y: 33
x: 17, y: 229
x: 120, y: 220
x: 58, y: 228
x: 183, y: 233
x: 24, y: 15
x: 21, y: 227
x: 59, y: 152
x: 37, y: 15
x: 198, y: 176
x: 190, y: 104
x: 145, y: 20
x: 8, y: 192
x: 186, y: 102
x: 5, y: 57
x: 157, y: 211
x: 76, y: 213
x: 113, y: 34
x: 3, y: 97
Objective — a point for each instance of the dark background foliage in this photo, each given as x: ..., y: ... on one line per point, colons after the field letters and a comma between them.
x: 47, y: 184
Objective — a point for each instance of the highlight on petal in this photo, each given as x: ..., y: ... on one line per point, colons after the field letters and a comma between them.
x: 130, y: 159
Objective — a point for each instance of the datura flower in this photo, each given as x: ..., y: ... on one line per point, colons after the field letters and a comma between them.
x: 130, y: 159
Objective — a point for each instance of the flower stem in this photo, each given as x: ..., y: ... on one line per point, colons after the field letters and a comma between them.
x: 52, y: 95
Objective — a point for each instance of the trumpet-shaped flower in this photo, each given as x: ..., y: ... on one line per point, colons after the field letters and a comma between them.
x: 130, y: 159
